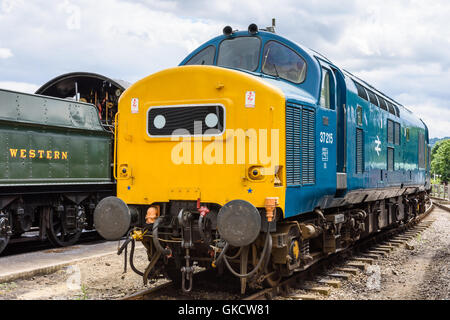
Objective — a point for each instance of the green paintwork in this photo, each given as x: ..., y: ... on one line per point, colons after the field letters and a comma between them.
x: 42, y: 129
x: 22, y: 107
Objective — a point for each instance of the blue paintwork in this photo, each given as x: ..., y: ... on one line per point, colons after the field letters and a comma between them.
x: 305, y: 198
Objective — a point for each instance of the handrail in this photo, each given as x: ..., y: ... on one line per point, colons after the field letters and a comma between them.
x: 116, y: 119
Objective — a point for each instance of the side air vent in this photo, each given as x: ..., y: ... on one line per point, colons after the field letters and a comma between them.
x: 308, y: 147
x: 359, y: 151
x: 293, y: 134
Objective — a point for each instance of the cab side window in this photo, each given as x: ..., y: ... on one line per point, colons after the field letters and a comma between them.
x: 282, y: 62
x: 325, y: 95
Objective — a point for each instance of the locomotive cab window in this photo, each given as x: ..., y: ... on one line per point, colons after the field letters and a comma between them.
x: 282, y: 62
x: 239, y: 53
x: 359, y: 116
x: 204, y: 57
x: 373, y: 98
x: 325, y: 95
x: 361, y: 91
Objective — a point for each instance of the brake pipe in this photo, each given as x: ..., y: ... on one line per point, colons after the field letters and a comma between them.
x: 267, y: 245
x: 158, y: 246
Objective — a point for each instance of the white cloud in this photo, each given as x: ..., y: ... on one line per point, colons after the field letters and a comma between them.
x: 5, y: 53
x: 19, y: 86
x: 401, y: 47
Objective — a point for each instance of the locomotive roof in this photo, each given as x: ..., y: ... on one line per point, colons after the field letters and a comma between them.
x: 309, y: 89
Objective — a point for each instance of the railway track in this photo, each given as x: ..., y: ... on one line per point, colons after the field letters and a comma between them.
x: 344, y: 265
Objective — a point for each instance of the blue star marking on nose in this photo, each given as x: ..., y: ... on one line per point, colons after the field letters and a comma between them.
x: 250, y: 190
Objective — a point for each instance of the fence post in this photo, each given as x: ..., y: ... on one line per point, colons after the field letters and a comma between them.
x: 448, y: 191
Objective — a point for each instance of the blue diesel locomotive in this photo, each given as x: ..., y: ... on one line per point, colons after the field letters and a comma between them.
x: 351, y: 161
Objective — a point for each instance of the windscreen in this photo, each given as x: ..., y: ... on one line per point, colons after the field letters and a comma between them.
x: 240, y: 53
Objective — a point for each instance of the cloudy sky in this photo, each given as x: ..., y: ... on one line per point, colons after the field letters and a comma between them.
x: 402, y: 47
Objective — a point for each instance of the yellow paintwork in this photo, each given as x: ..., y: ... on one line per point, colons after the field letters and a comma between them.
x: 151, y: 176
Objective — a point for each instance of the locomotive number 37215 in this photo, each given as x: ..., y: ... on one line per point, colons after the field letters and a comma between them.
x: 326, y: 138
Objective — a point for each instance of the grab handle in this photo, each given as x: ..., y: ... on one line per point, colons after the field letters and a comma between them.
x: 116, y: 120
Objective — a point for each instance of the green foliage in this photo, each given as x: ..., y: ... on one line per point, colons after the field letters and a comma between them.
x: 84, y: 293
x: 440, y: 160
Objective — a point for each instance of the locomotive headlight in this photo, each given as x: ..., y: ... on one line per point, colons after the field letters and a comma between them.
x: 211, y: 120
x: 159, y: 122
x: 253, y: 29
x: 256, y: 173
x: 227, y: 31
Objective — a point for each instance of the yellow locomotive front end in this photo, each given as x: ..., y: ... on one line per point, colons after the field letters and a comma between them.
x: 200, y: 132
x: 199, y: 153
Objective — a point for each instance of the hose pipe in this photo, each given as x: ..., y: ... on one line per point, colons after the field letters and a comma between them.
x: 158, y: 246
x: 133, y: 243
x: 267, y: 249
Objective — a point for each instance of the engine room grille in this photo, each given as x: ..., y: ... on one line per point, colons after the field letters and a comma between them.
x: 359, y: 151
x: 300, y: 146
x: 308, y: 147
x: 390, y: 160
x: 293, y: 156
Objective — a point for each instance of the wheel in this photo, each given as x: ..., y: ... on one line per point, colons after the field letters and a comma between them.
x: 55, y: 232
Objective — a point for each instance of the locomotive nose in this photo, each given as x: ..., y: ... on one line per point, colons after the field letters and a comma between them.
x: 112, y: 218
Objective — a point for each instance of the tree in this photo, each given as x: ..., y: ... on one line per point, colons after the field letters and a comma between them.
x: 436, y: 148
x: 440, y: 163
